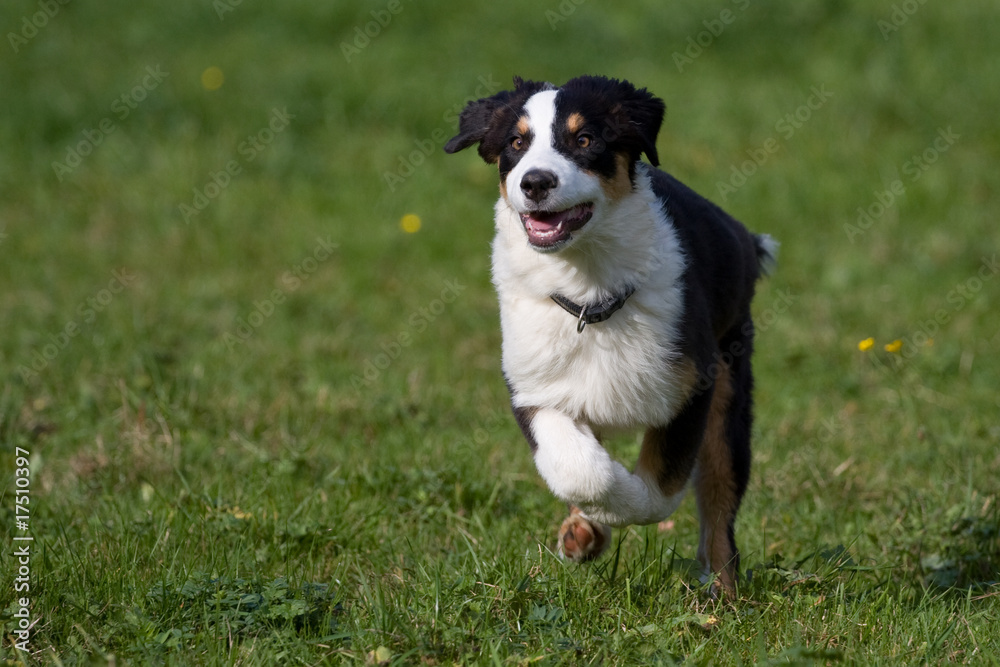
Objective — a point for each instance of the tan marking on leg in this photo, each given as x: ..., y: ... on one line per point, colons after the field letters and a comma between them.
x: 575, y: 122
x: 715, y: 487
x: 687, y: 376
x: 652, y: 465
x: 618, y: 185
x: 651, y: 458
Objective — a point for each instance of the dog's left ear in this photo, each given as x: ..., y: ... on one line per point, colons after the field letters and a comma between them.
x: 634, y: 115
x: 641, y: 115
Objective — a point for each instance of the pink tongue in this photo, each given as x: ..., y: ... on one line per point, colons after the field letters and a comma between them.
x: 546, y: 228
x: 545, y: 221
x: 541, y: 225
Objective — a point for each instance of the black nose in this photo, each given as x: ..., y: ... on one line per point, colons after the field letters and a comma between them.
x: 536, y: 184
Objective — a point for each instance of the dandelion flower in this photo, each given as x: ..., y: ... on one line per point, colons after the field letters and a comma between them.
x: 894, y: 346
x: 410, y: 223
x: 212, y: 78
x: 866, y: 344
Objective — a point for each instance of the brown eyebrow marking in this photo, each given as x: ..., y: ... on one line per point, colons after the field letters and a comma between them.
x: 523, y: 126
x: 575, y: 122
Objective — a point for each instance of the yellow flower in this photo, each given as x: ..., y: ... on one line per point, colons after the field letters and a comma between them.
x: 240, y: 514
x: 894, y: 346
x: 410, y: 223
x: 212, y: 78
x: 866, y: 344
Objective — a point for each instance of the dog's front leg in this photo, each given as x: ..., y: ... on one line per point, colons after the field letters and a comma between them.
x: 600, y: 490
x: 581, y: 539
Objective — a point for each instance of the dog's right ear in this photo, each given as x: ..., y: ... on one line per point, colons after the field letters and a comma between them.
x: 488, y: 114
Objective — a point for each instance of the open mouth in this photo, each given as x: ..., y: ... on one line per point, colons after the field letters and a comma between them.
x: 547, y: 229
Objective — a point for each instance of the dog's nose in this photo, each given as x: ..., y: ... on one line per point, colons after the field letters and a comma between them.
x: 536, y: 184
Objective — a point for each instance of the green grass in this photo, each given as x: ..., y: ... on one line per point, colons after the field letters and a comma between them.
x: 225, y: 469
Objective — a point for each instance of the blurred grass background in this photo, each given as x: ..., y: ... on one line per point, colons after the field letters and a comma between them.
x: 209, y: 429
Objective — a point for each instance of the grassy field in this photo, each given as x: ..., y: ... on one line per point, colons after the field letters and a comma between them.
x: 250, y: 349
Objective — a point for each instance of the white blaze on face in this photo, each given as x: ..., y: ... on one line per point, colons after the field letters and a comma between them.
x: 575, y: 185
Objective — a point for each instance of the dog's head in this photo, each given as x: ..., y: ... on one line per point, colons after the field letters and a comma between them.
x: 564, y: 153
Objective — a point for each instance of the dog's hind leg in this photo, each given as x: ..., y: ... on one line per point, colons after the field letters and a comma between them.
x: 723, y: 470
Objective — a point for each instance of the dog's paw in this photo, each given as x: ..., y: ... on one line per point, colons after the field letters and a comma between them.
x: 581, y: 539
x: 721, y: 585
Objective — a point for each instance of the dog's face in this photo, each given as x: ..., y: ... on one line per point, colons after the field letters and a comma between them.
x: 563, y: 153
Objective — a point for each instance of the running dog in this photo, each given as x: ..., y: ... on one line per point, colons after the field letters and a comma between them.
x: 624, y: 304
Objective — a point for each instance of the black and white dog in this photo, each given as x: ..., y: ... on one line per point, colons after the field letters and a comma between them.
x: 624, y: 304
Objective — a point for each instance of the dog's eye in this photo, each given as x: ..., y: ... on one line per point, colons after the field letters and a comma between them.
x: 584, y: 140
x: 517, y: 143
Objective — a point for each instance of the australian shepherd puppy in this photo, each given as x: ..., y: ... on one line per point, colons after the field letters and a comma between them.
x: 624, y: 304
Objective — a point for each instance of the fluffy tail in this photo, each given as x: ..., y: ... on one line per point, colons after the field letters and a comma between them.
x: 767, y: 253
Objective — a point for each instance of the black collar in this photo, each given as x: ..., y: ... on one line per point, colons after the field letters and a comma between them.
x: 594, y: 313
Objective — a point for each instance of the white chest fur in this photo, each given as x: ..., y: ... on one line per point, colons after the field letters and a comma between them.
x: 621, y: 373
